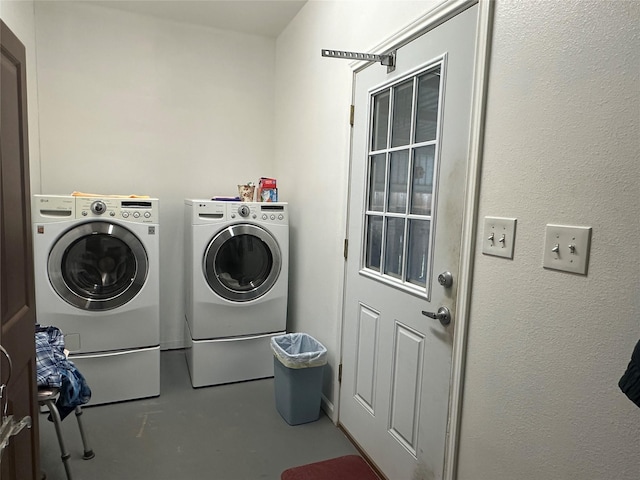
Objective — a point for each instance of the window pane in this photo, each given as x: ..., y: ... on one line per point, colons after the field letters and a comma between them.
x: 398, y: 181
x: 402, y: 103
x: 427, y: 108
x: 394, y: 247
x: 376, y: 182
x: 418, y: 252
x: 374, y: 242
x: 380, y: 121
x: 422, y: 182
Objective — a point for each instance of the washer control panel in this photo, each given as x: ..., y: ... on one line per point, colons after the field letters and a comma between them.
x: 98, y: 207
x: 144, y: 210
x: 48, y: 208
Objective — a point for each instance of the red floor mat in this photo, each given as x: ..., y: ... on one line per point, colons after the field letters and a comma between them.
x: 349, y: 467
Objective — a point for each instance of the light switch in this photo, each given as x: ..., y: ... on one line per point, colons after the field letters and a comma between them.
x: 567, y: 248
x: 499, y: 236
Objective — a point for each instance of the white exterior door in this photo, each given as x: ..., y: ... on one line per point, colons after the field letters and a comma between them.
x: 410, y: 151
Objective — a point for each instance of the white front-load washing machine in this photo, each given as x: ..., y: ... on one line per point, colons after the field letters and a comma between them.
x: 96, y: 264
x: 236, y: 288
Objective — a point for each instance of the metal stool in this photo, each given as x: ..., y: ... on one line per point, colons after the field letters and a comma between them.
x: 47, y: 396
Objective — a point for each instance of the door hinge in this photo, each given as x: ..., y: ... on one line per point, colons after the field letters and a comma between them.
x: 340, y: 373
x: 346, y: 248
x: 352, y: 110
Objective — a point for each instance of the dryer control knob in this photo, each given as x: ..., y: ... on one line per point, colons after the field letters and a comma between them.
x: 244, y: 211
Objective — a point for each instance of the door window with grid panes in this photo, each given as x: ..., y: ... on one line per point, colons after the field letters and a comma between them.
x: 402, y: 174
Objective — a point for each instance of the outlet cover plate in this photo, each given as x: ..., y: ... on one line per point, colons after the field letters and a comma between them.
x: 558, y: 253
x: 499, y: 236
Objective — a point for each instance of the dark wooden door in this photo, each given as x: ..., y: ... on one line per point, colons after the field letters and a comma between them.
x: 20, y: 460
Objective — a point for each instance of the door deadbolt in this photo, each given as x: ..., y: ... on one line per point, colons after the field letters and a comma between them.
x: 445, y: 279
x: 443, y: 315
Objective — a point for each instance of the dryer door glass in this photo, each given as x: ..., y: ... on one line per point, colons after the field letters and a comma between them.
x: 98, y: 266
x: 242, y: 263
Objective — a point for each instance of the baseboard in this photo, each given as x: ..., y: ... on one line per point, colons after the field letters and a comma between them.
x: 327, y: 406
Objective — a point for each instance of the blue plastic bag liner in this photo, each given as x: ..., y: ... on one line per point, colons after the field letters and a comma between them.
x: 298, y: 350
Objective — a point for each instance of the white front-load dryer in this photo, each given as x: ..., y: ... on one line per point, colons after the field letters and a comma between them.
x: 96, y: 266
x: 236, y: 288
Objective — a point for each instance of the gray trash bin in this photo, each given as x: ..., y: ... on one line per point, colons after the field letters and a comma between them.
x: 298, y: 363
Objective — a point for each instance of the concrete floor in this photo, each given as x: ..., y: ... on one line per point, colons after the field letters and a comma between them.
x: 227, y: 432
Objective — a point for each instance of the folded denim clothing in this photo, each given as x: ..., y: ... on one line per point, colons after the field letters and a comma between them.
x: 55, y: 370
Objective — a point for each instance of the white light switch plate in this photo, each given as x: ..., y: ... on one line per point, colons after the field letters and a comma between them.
x: 567, y: 248
x: 499, y: 236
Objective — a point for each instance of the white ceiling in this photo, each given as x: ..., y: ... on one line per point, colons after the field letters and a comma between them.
x: 259, y: 17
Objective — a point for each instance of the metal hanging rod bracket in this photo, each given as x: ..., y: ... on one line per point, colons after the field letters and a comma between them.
x: 389, y: 59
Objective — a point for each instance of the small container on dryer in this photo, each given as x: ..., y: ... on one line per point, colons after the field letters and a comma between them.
x: 246, y: 192
x: 267, y: 190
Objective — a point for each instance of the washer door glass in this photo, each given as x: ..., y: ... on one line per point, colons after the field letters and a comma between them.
x: 98, y: 266
x: 242, y: 263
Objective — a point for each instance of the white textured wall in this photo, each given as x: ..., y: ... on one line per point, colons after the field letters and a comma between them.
x: 546, y: 349
x: 134, y: 105
x: 313, y: 95
x: 18, y: 16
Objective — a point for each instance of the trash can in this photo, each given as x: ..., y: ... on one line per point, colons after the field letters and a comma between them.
x: 298, y: 363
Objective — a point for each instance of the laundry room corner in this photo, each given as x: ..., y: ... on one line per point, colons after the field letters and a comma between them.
x: 19, y: 17
x: 312, y: 156
x: 151, y: 111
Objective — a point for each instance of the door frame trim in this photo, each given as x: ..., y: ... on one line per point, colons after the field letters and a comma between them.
x: 420, y: 26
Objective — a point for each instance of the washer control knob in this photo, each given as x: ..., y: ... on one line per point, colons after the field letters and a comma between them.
x: 281, y: 217
x: 84, y: 213
x: 273, y: 217
x: 147, y: 215
x: 136, y: 214
x: 125, y: 214
x: 254, y: 216
x: 112, y: 213
x: 264, y: 216
x: 244, y: 211
x: 233, y: 215
x: 98, y: 207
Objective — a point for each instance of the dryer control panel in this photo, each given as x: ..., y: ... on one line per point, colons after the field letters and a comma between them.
x: 243, y: 210
x: 274, y: 212
x: 143, y: 210
x: 261, y: 212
